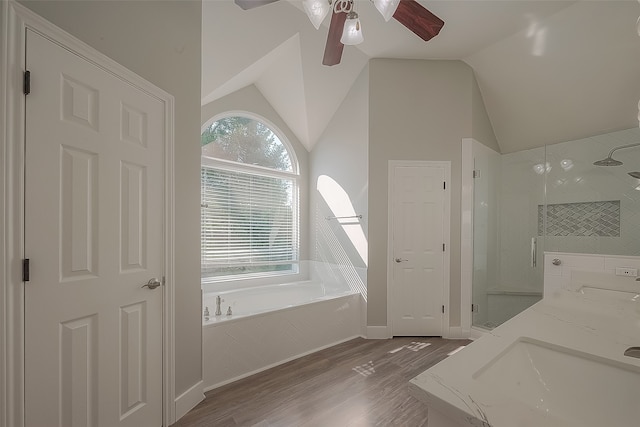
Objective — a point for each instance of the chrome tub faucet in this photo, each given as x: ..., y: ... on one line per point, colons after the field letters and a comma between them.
x: 218, y: 309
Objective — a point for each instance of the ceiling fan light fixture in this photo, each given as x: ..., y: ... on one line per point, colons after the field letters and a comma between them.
x: 352, y: 32
x: 386, y: 7
x: 316, y: 10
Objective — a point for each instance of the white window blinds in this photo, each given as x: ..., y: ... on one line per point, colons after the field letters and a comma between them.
x: 248, y: 223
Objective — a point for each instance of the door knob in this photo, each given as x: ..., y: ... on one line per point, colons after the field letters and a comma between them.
x: 401, y: 259
x: 152, y: 283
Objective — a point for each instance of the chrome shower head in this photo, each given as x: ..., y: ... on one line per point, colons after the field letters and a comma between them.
x: 635, y: 174
x: 608, y: 162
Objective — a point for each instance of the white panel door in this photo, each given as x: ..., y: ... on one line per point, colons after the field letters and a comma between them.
x: 94, y: 234
x: 418, y: 230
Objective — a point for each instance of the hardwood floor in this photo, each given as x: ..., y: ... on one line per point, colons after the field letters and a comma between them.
x: 359, y: 383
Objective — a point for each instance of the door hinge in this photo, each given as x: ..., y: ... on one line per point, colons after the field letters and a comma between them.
x: 444, y: 185
x: 474, y: 308
x: 476, y: 173
x: 443, y: 309
x: 26, y: 83
x: 443, y: 248
x: 25, y: 270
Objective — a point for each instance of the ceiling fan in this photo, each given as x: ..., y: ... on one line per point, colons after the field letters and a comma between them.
x: 345, y: 25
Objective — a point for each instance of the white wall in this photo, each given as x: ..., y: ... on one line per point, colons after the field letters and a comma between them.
x: 160, y: 41
x: 338, y: 186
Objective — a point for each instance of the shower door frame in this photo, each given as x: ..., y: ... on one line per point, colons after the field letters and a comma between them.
x: 466, y: 240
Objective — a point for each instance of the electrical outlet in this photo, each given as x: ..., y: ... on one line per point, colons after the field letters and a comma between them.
x: 625, y: 271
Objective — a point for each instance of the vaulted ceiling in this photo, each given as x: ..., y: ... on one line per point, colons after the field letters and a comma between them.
x: 549, y: 71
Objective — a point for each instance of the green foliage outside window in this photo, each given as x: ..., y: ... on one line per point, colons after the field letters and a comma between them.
x: 245, y: 140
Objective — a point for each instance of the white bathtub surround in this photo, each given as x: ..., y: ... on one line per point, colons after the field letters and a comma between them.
x: 560, y: 363
x: 251, y: 301
x: 246, y: 344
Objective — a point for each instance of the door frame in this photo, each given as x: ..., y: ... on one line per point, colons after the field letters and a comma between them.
x: 15, y: 20
x: 446, y: 274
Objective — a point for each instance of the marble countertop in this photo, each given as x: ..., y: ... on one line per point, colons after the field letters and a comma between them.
x: 596, y: 325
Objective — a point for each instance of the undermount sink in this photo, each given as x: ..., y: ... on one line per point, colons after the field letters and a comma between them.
x: 562, y: 383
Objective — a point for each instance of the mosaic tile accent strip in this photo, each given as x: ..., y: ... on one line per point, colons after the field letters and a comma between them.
x: 581, y: 219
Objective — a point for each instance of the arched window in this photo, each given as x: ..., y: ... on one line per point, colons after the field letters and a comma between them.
x: 249, y: 220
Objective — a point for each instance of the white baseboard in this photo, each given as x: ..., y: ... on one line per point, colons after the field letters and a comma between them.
x: 456, y: 333
x: 378, y: 332
x: 189, y: 399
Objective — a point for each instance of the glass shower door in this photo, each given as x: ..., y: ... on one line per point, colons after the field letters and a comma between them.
x: 507, y: 233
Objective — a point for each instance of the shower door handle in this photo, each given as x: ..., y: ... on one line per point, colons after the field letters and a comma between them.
x: 534, y: 252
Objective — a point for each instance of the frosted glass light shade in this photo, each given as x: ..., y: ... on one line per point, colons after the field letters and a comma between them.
x: 386, y: 7
x: 316, y: 10
x: 352, y: 31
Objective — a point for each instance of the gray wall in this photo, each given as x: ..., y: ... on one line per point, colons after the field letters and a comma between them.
x: 481, y: 128
x: 341, y: 154
x: 419, y: 110
x: 160, y: 41
x: 250, y: 99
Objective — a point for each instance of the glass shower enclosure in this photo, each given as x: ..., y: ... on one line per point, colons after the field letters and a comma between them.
x: 508, y: 192
x: 566, y: 197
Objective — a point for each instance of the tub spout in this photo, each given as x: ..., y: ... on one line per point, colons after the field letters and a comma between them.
x: 218, y: 309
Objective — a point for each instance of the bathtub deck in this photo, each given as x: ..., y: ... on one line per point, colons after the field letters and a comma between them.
x: 357, y: 383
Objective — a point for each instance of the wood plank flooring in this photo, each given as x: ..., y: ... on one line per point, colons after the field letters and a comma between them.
x: 359, y: 383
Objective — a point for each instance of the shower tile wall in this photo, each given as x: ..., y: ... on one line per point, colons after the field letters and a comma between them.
x: 573, y: 178
x: 580, y: 219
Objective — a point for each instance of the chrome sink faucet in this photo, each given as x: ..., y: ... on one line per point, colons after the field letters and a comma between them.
x: 633, y: 352
x: 218, y: 309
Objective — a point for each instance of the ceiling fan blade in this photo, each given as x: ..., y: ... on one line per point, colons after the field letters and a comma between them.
x: 415, y: 17
x: 333, y: 48
x: 250, y: 4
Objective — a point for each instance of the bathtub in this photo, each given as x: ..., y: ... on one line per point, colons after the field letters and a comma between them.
x: 252, y: 301
x: 272, y: 325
